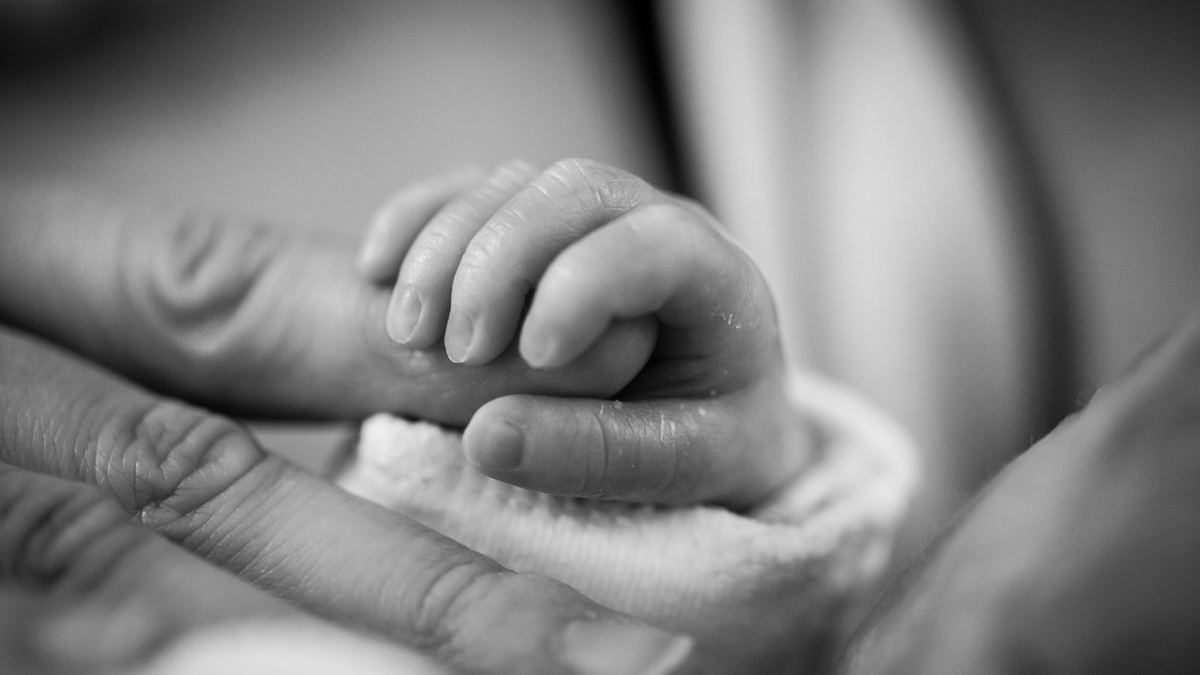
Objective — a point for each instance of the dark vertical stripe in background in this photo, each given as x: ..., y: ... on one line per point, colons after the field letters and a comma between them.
x: 1040, y: 235
x: 641, y: 22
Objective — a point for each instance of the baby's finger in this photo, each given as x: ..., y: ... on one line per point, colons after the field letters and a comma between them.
x: 675, y: 451
x: 397, y: 222
x: 663, y: 259
x: 507, y: 257
x: 420, y: 303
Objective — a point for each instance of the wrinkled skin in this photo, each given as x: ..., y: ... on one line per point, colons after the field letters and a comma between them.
x: 1082, y: 557
x: 119, y: 500
x: 552, y: 260
x: 241, y: 316
x: 1079, y: 558
x: 144, y: 471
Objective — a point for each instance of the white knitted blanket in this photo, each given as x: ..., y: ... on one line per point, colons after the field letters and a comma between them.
x: 760, y: 592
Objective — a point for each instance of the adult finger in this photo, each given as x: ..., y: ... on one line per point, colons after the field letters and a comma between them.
x: 396, y: 223
x: 234, y: 314
x: 120, y: 591
x: 421, y: 300
x: 202, y: 482
x: 104, y: 594
x: 505, y: 260
x: 672, y: 451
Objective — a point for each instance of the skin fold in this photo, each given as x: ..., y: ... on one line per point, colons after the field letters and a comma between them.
x: 123, y: 319
x: 550, y: 262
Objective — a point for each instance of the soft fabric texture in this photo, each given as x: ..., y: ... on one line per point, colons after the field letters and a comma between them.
x: 292, y: 646
x: 760, y: 592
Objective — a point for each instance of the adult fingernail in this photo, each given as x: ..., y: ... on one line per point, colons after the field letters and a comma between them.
x: 607, y: 648
x: 403, y: 315
x: 501, y: 447
x: 459, y: 331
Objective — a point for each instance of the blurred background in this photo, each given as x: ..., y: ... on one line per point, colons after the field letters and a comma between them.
x: 975, y: 212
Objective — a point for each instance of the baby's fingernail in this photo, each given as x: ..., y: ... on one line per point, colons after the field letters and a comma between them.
x: 539, y: 351
x: 607, y: 648
x: 501, y: 447
x: 459, y: 331
x: 403, y: 315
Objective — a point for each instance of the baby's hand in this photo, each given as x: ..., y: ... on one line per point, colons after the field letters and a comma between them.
x: 582, y: 246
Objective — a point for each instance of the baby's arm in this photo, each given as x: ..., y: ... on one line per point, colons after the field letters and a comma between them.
x: 585, y: 246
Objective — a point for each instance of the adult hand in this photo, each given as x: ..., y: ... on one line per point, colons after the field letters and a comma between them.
x: 237, y: 315
x: 1081, y: 557
x: 83, y: 589
x: 593, y: 250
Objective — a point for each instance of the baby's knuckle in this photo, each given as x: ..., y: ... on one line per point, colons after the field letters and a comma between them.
x: 573, y: 186
x: 447, y: 600
x: 432, y: 252
x: 572, y: 170
x: 601, y: 433
x: 482, y: 264
x: 605, y: 188
x: 674, y: 219
x: 512, y: 171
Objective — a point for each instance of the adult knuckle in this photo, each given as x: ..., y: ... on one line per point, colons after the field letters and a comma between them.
x: 52, y: 529
x: 172, y: 460
x: 195, y: 283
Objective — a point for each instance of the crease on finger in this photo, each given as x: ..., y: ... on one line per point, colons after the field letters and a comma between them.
x: 179, y: 470
x: 196, y: 297
x: 59, y: 533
